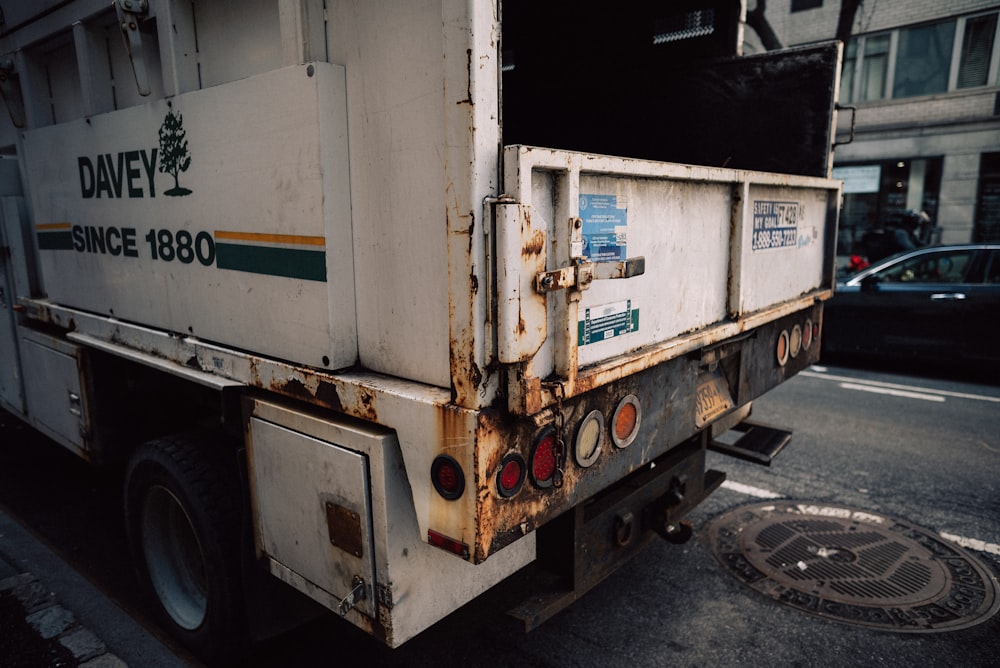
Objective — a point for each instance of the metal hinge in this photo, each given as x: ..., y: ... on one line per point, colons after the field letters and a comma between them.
x: 130, y: 12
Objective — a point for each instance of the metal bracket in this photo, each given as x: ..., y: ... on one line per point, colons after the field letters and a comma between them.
x: 11, y: 93
x: 130, y: 12
x: 854, y: 119
x: 357, y: 594
x: 582, y: 274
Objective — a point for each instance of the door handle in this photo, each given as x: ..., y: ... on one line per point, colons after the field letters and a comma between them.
x: 947, y: 297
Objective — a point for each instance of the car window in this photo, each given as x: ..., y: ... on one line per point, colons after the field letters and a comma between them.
x: 993, y: 270
x: 943, y: 267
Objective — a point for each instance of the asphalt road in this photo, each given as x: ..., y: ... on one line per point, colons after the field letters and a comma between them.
x: 925, y: 450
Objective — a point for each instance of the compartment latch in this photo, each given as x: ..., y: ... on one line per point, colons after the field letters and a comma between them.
x: 130, y: 12
x: 358, y: 593
x: 580, y: 275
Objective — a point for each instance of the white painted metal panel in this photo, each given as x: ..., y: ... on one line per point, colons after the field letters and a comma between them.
x: 718, y: 244
x: 783, y: 245
x: 222, y: 213
x: 399, y: 193
x: 236, y: 39
x: 682, y: 229
x: 417, y: 584
x: 294, y: 477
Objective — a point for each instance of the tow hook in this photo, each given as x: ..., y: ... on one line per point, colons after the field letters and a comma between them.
x: 670, y: 529
x: 677, y: 532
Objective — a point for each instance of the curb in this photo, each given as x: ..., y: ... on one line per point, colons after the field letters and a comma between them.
x: 61, y: 636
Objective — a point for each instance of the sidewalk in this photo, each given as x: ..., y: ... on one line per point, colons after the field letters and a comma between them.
x: 50, y: 615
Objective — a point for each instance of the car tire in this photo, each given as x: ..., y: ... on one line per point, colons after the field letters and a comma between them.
x: 182, y: 510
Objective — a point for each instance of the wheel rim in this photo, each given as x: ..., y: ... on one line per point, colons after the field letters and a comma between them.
x: 174, y: 558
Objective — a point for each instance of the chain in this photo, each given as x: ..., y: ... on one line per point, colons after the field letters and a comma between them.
x: 559, y: 451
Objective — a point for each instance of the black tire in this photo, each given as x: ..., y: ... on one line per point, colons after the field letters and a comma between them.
x: 183, y: 515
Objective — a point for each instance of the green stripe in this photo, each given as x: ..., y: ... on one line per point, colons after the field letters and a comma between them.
x: 309, y: 265
x: 55, y: 240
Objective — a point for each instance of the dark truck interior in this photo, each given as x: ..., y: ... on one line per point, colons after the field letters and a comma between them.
x: 661, y: 80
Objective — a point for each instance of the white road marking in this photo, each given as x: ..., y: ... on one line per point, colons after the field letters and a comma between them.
x: 819, y: 372
x: 892, y: 392
x: 970, y: 543
x: 750, y: 491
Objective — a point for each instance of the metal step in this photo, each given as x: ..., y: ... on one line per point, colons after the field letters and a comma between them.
x: 759, y: 443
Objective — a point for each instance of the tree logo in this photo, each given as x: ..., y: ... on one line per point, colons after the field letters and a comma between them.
x: 174, y: 155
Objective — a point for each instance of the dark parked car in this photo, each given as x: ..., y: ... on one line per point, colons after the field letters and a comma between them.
x: 941, y: 302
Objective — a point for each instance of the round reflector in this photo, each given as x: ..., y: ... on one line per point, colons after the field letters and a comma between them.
x: 589, y: 435
x: 447, y: 477
x: 625, y: 421
x: 781, y: 349
x: 807, y: 334
x: 543, y: 458
x: 795, y: 341
x: 511, y: 475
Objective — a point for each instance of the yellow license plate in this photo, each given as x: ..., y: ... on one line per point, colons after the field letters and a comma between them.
x: 712, y: 398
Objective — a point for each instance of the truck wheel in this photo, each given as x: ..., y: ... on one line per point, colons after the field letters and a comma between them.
x: 182, y: 510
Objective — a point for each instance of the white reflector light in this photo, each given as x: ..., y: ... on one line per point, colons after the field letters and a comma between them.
x: 795, y: 341
x: 588, y: 439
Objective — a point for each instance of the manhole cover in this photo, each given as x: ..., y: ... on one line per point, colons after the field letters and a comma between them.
x: 855, y: 567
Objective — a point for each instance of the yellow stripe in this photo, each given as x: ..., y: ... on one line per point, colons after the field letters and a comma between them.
x: 48, y: 227
x: 270, y: 238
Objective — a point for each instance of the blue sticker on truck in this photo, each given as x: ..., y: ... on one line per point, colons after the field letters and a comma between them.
x: 605, y: 221
x: 775, y: 224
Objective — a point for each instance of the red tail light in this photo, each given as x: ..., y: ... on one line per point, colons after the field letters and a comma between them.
x: 447, y: 477
x: 544, y: 457
x: 511, y: 475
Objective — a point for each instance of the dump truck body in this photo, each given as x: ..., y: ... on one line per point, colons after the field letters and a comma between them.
x: 426, y: 356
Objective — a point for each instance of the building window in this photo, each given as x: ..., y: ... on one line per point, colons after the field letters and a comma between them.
x: 802, y: 5
x: 923, y: 60
x: 987, y: 225
x: 977, y: 51
x: 875, y: 67
x: 927, y: 59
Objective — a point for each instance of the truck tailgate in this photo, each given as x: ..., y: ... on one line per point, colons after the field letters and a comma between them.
x: 721, y: 251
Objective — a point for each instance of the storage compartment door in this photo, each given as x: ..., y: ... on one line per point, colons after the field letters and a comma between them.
x: 53, y: 396
x: 313, y: 509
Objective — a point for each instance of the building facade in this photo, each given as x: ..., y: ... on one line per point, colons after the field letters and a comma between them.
x: 924, y: 78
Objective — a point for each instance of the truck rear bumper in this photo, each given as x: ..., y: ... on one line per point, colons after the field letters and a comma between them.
x: 585, y: 545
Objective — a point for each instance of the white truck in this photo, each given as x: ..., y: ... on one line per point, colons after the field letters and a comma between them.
x: 382, y: 301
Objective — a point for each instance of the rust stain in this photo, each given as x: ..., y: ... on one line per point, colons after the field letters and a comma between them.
x: 366, y: 404
x: 535, y: 245
x: 293, y: 388
x: 327, y: 394
x: 475, y: 373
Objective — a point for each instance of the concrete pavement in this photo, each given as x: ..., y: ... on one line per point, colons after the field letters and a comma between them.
x: 50, y: 615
